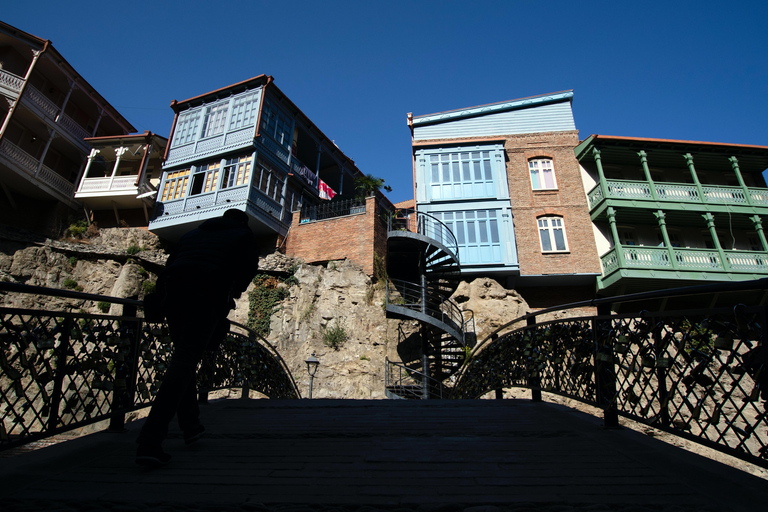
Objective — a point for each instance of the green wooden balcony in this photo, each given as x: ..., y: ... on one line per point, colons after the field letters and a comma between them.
x: 681, y: 263
x: 677, y: 193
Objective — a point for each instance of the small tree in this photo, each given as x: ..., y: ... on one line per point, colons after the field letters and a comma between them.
x: 367, y: 185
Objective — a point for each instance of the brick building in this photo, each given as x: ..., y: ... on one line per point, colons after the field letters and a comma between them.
x: 504, y: 178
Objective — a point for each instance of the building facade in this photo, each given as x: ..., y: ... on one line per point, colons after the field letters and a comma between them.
x: 504, y: 179
x: 246, y: 146
x: 119, y: 183
x: 670, y: 213
x: 47, y: 110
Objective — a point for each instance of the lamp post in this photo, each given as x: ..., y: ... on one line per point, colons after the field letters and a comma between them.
x: 312, y: 364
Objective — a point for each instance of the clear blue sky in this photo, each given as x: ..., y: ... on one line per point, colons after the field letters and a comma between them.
x: 694, y: 70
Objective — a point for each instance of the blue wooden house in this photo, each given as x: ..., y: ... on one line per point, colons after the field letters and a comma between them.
x: 246, y: 146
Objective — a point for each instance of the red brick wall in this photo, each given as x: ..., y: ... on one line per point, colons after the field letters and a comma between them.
x: 355, y: 237
x: 568, y: 201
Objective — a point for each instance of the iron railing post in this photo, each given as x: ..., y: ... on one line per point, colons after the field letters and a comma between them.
x: 605, y: 366
x: 534, y: 378
x: 126, y: 371
x: 661, y: 371
x: 60, y: 354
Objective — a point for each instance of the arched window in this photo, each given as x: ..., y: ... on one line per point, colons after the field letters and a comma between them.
x: 542, y: 174
x: 552, y: 234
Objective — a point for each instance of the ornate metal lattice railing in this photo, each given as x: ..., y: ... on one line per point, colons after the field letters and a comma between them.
x: 333, y: 209
x: 61, y: 370
x: 702, y: 374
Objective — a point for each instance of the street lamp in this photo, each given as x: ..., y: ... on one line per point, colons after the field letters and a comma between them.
x: 312, y: 364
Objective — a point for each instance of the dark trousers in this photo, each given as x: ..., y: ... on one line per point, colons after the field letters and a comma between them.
x: 192, y: 323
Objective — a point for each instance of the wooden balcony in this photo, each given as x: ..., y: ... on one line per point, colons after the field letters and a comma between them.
x: 671, y: 193
x: 27, y: 165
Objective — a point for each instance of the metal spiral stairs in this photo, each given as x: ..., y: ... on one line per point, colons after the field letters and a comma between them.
x: 423, y: 270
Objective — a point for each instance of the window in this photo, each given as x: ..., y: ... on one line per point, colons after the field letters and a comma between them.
x: 269, y: 182
x: 460, y: 174
x: 542, y: 174
x: 244, y: 111
x: 175, y: 185
x: 204, y: 179
x: 552, y: 234
x: 277, y: 124
x: 215, y: 116
x: 477, y: 235
x: 186, y: 130
x: 236, y: 171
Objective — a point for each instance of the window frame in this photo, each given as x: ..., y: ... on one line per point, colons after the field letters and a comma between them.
x: 550, y: 229
x: 540, y: 170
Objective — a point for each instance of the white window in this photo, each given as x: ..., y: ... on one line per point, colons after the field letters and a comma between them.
x: 477, y: 235
x: 277, y: 124
x: 236, y: 171
x: 215, y: 117
x: 186, y: 129
x: 552, y: 234
x: 204, y: 178
x: 542, y: 174
x: 244, y: 110
x: 461, y: 174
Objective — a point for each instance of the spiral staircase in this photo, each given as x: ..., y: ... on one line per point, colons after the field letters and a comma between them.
x: 423, y: 271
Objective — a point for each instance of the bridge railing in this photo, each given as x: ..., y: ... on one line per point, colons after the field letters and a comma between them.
x: 61, y: 370
x: 700, y: 374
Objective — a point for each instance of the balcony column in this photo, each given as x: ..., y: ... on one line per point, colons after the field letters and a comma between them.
x: 689, y: 160
x: 91, y: 157
x: 712, y: 231
x: 72, y: 86
x: 98, y: 121
x: 615, y: 233
x: 661, y: 216
x: 758, y: 223
x: 601, y: 174
x: 119, y: 152
x: 51, y: 135
x: 735, y: 165
x: 317, y: 164
x: 644, y: 161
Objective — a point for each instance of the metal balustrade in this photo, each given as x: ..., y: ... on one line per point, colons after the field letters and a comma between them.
x: 678, y: 192
x: 706, y: 260
x: 10, y: 81
x: 426, y: 225
x: 332, y: 210
x: 62, y: 369
x: 404, y: 382
x: 699, y: 374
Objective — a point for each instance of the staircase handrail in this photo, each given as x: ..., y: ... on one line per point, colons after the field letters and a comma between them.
x: 426, y: 300
x: 405, y: 372
x: 426, y: 225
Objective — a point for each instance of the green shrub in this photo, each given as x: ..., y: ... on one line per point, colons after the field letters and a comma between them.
x: 263, y: 301
x: 72, y: 284
x: 77, y: 229
x: 134, y: 249
x: 149, y: 287
x: 103, y: 306
x: 334, y: 337
x: 72, y: 260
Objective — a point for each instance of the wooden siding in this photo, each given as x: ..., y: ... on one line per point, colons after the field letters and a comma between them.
x: 544, y: 118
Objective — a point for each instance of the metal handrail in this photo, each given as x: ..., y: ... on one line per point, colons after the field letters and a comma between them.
x: 61, y: 370
x: 699, y: 374
x: 414, y: 378
x: 426, y: 225
x: 426, y: 300
x: 332, y: 210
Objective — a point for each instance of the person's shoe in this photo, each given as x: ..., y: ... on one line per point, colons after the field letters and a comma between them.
x: 193, y: 435
x: 150, y: 456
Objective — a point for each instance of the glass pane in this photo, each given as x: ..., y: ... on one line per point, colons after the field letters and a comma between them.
x: 483, y: 229
x: 488, y: 172
x: 549, y: 178
x: 435, y: 173
x: 460, y: 232
x: 559, y: 239
x: 494, y: 231
x: 467, y: 176
x: 471, y: 235
x: 546, y: 245
x: 456, y: 175
x: 478, y: 171
x: 535, y: 180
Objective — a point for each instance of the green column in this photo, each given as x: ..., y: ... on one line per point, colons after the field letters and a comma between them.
x: 689, y: 159
x: 644, y: 161
x: 735, y: 165
x: 661, y: 216
x: 615, y: 232
x: 712, y: 231
x: 758, y: 222
x: 601, y: 174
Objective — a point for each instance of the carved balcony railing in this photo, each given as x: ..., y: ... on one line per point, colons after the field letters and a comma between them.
x: 30, y: 164
x: 10, y: 82
x: 60, y: 370
x: 700, y: 374
x: 331, y: 210
x: 678, y: 192
x: 685, y: 259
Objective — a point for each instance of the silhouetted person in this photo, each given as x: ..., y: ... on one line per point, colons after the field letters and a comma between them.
x: 210, y: 267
